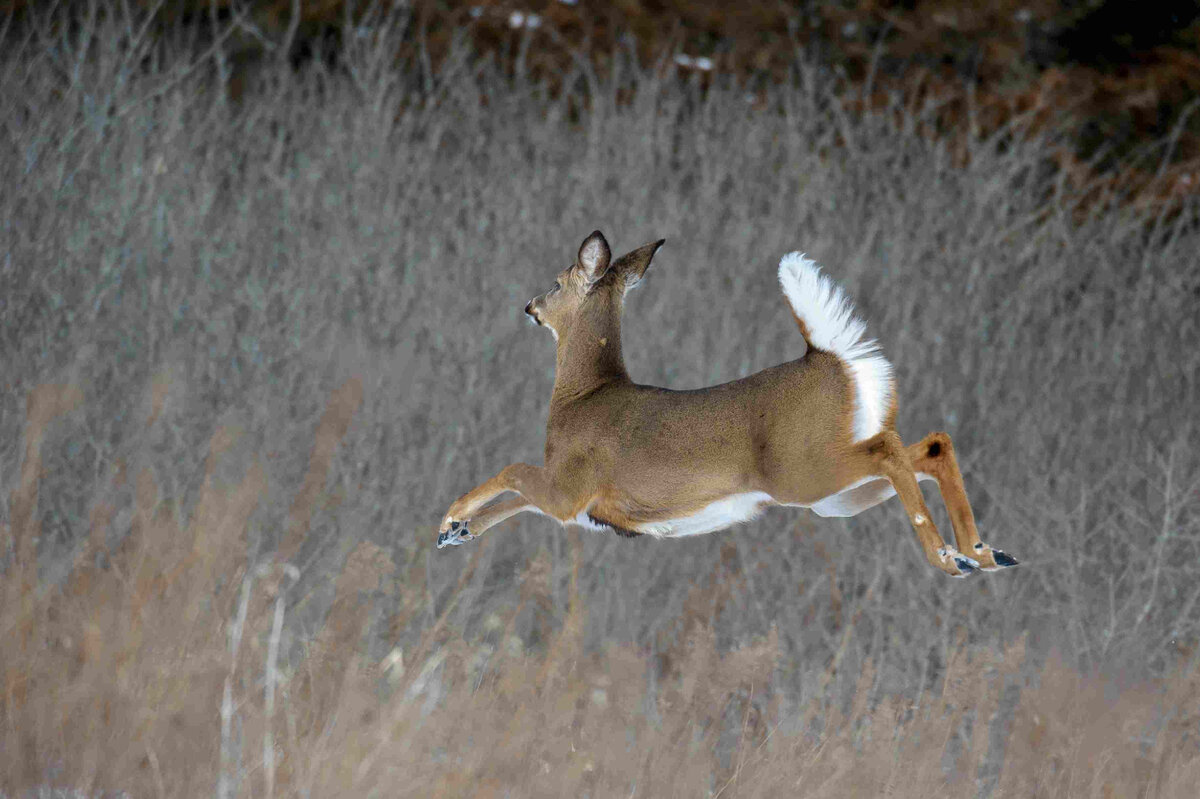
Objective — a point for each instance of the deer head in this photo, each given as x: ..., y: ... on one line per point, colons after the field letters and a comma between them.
x: 591, y: 288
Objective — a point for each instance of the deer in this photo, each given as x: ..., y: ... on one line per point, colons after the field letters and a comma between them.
x: 817, y: 432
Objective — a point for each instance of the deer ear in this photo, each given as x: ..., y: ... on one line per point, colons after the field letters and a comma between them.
x: 633, y: 265
x: 594, y: 256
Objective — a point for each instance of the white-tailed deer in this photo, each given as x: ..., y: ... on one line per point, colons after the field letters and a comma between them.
x: 817, y: 432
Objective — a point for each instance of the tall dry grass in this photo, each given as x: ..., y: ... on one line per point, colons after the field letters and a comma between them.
x: 154, y: 669
x: 251, y: 350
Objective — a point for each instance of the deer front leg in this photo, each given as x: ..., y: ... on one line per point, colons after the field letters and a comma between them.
x: 934, y: 455
x: 537, y: 492
x: 480, y: 522
x: 889, y: 458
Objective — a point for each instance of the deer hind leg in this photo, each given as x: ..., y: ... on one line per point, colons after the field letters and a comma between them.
x: 536, y: 491
x: 885, y: 455
x: 934, y: 455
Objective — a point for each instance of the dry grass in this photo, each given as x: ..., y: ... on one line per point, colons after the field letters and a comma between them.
x: 1111, y: 83
x: 153, y: 670
x: 252, y: 350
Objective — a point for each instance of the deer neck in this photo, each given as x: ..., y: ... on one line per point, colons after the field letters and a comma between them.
x: 589, y: 353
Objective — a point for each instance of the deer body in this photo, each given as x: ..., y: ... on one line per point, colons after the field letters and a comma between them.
x: 624, y: 444
x: 815, y: 432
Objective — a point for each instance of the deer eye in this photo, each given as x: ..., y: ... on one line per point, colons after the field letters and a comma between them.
x: 557, y: 286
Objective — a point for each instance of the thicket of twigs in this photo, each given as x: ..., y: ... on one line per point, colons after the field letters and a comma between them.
x: 252, y: 349
x: 1111, y: 76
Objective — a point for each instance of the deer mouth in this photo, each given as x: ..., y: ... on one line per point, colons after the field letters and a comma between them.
x: 532, y: 314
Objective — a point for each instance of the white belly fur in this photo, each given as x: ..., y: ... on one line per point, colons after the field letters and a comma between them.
x: 715, y: 516
x: 858, y: 496
x: 743, y: 507
x: 583, y: 520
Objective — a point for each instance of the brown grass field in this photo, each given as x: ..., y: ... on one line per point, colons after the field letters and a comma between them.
x: 159, y: 673
x: 252, y: 349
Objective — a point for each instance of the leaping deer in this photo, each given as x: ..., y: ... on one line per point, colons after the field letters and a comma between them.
x: 817, y: 432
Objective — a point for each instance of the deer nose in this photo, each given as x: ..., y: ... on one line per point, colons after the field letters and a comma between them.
x: 529, y: 307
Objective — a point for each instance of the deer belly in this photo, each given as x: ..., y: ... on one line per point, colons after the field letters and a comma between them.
x: 858, y: 496
x: 714, y: 516
x: 853, y: 501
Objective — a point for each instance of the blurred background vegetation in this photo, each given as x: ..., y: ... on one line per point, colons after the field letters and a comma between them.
x: 261, y: 291
x: 1114, y: 76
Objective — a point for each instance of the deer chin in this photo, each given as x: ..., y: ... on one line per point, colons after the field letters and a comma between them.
x: 534, y: 319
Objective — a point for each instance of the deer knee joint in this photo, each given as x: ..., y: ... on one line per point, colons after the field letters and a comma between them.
x: 938, y: 445
x: 884, y: 445
x: 514, y: 477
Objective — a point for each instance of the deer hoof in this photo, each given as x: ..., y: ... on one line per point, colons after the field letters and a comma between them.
x: 966, y: 565
x: 1003, y: 558
x: 994, y: 559
x: 457, y: 535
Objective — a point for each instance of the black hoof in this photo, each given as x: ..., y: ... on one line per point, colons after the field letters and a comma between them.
x: 1004, y: 559
x: 965, y: 565
x: 457, y: 535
